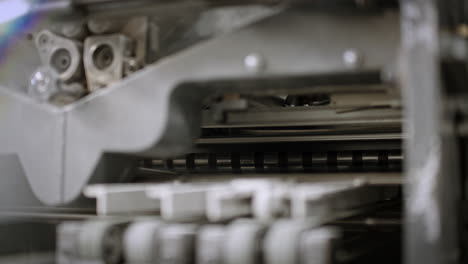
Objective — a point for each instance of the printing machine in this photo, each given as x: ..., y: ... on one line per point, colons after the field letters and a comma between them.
x: 222, y: 131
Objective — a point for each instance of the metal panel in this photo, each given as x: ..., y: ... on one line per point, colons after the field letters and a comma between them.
x: 154, y: 112
x: 33, y: 132
x: 431, y: 233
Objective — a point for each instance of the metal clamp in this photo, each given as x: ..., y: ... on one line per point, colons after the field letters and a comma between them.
x: 60, y: 54
x: 104, y: 59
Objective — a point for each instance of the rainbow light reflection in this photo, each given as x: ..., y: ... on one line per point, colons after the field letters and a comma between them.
x: 15, y: 18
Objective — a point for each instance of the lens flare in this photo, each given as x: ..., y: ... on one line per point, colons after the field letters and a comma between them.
x: 15, y: 19
x: 13, y: 9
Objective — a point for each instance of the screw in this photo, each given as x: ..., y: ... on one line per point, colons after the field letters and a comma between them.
x: 352, y: 58
x: 43, y: 39
x: 254, y: 62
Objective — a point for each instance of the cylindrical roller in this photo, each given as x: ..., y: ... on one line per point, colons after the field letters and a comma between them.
x: 101, y: 240
x: 141, y: 241
x: 319, y: 161
x: 178, y: 244
x: 247, y: 162
x: 370, y: 160
x: 209, y: 244
x: 282, y: 241
x: 394, y: 160
x: 316, y: 246
x: 202, y: 162
x: 243, y: 242
x: 344, y: 160
x: 179, y: 164
x: 270, y: 161
x: 295, y: 162
x: 223, y: 162
x: 67, y: 240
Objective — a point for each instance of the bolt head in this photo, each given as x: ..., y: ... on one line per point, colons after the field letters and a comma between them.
x: 254, y: 62
x: 43, y: 39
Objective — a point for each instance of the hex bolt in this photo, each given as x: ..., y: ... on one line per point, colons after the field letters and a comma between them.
x: 353, y: 58
x: 254, y: 62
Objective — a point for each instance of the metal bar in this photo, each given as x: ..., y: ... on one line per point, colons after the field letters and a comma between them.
x: 282, y: 162
x: 43, y: 216
x: 432, y: 189
x: 381, y: 178
x: 272, y: 139
x: 122, y: 198
x: 302, y: 116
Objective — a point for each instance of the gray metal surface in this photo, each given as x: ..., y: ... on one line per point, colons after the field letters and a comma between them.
x: 307, y: 116
x: 155, y: 111
x: 33, y: 258
x: 264, y: 199
x: 317, y: 138
x: 122, y: 199
x: 432, y: 189
x: 16, y: 192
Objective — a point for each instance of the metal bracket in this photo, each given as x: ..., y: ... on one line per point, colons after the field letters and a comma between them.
x: 156, y: 111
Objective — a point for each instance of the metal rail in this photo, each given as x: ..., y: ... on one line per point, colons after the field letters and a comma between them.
x: 347, y: 161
